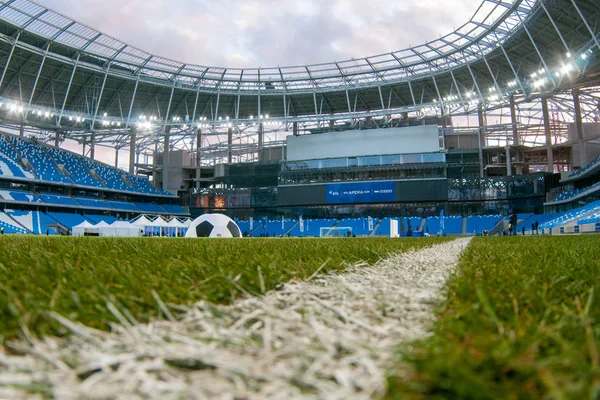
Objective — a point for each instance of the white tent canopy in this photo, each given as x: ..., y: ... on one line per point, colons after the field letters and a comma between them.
x: 84, y: 228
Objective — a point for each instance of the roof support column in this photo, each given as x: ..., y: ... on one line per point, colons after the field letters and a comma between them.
x: 295, y: 128
x: 516, y: 135
x: 116, y: 157
x: 548, y: 132
x: 198, y: 158
x: 581, y: 159
x: 100, y: 96
x: 132, y: 149
x: 166, y: 150
x: 155, y: 163
x: 10, y: 55
x: 480, y: 137
x: 508, y: 161
x: 57, y: 139
x: 37, y: 78
x: 92, y: 145
x: 261, y: 140
x: 229, y: 145
x: 62, y: 110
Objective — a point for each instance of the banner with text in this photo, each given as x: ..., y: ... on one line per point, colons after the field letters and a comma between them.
x: 367, y: 192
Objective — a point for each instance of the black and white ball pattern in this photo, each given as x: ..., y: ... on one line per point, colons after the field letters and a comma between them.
x: 213, y: 226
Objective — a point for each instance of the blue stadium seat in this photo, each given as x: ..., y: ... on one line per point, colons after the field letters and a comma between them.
x: 173, y: 209
x: 79, y: 173
x: 58, y: 199
x: 96, y: 219
x: 124, y: 206
x: 67, y: 220
x: 11, y: 226
x: 35, y: 221
x: 9, y: 162
x: 93, y: 203
x: 17, y: 195
x: 41, y: 161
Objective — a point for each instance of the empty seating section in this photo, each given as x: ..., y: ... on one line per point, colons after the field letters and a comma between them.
x: 453, y: 225
x: 415, y: 223
x: 173, y: 209
x: 124, y: 206
x: 585, y: 169
x: 11, y: 226
x: 360, y: 226
x: 477, y: 224
x: 59, y: 200
x: 432, y: 225
x: 151, y: 208
x: 142, y: 185
x: 384, y: 227
x: 67, y: 220
x: 111, y: 176
x: 573, y: 215
x: 35, y: 221
x: 78, y: 172
x: 93, y: 203
x: 25, y: 197
x: 312, y: 228
x: 42, y: 163
x: 570, y: 194
x: 9, y: 162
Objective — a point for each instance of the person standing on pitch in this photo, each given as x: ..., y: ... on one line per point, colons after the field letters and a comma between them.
x: 514, y: 220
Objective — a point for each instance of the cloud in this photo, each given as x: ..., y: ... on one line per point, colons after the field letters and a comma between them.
x: 251, y: 33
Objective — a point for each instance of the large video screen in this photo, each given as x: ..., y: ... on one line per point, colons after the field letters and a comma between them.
x: 369, y: 142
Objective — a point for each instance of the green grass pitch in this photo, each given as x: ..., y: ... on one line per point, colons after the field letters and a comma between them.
x: 522, y: 321
x: 76, y: 277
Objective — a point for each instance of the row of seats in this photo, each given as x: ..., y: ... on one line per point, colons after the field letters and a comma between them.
x: 61, y: 200
x: 569, y: 194
x: 478, y: 224
x: 585, y: 169
x: 572, y: 215
x: 46, y: 162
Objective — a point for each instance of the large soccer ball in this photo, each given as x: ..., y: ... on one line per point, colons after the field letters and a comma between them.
x: 213, y: 226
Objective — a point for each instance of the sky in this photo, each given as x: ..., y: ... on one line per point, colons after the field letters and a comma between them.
x: 266, y: 33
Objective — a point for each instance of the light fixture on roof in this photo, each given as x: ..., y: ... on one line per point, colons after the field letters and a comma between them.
x: 569, y: 55
x: 106, y: 114
x: 584, y: 56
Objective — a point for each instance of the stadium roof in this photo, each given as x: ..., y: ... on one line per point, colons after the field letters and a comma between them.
x: 74, y: 77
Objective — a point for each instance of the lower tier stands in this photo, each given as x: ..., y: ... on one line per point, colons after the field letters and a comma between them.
x: 11, y: 226
x: 35, y: 221
x: 96, y: 219
x: 359, y: 226
x: 477, y: 224
x: 571, y: 216
x: 173, y: 209
x: 312, y: 227
x: 66, y: 219
x: 151, y: 208
x: 123, y: 205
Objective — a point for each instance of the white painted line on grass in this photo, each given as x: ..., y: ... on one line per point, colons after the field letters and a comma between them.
x: 332, y: 337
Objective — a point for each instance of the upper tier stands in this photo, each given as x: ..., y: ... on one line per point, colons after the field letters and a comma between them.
x: 46, y: 162
x: 582, y: 171
x: 17, y: 195
x: 570, y: 194
x: 93, y: 203
x: 43, y: 164
x: 111, y: 176
x: 173, y: 209
x: 10, y: 166
x: 79, y: 173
